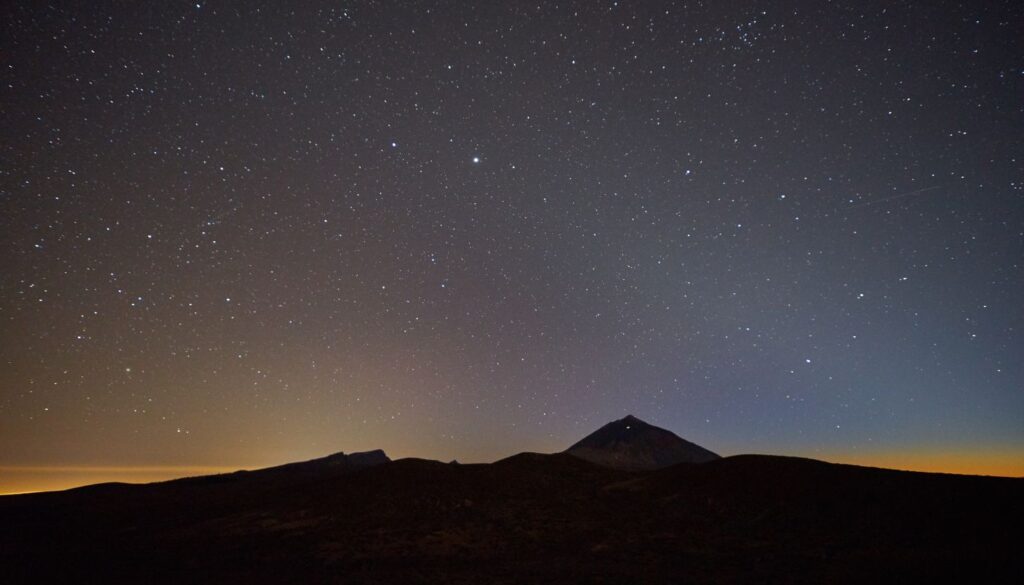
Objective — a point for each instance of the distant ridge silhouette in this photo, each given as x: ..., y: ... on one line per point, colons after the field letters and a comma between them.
x: 363, y: 519
x: 632, y: 444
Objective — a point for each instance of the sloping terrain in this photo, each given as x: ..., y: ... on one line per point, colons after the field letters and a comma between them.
x: 529, y: 518
x: 632, y: 444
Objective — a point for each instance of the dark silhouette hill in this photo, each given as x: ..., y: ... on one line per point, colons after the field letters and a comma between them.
x: 337, y: 463
x: 530, y: 518
x: 632, y: 444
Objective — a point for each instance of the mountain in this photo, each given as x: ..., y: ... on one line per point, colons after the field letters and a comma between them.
x: 530, y: 518
x: 320, y: 468
x: 631, y: 444
x: 338, y: 462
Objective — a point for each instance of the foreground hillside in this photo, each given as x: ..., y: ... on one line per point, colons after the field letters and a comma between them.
x: 530, y: 518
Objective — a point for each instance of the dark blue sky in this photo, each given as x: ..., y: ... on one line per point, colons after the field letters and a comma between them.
x: 259, y: 232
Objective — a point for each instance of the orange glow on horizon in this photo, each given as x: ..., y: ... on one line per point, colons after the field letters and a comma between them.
x: 37, y: 478
x: 1003, y: 463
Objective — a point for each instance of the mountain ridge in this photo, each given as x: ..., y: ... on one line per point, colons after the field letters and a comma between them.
x: 530, y: 517
x: 539, y: 518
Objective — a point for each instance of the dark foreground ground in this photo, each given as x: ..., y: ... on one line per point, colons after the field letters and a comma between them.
x: 527, y: 519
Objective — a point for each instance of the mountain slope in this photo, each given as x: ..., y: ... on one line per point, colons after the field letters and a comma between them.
x: 632, y: 444
x: 529, y: 518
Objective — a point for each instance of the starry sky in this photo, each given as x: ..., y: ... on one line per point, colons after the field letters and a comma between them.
x: 240, y: 234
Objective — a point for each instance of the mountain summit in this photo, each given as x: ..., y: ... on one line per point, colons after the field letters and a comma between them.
x: 632, y: 444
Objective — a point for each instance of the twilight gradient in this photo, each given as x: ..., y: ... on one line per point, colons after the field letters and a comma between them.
x: 239, y: 234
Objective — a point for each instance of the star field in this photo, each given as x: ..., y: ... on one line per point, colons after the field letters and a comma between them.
x: 261, y: 232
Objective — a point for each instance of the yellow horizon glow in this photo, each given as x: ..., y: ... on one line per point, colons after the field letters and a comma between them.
x: 27, y: 479
x: 117, y: 468
x: 997, y: 464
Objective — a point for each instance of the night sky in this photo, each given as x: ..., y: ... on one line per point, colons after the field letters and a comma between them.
x: 241, y: 234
